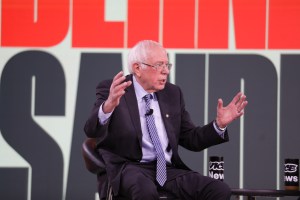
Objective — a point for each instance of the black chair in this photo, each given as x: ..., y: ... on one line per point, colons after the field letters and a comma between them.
x: 95, y: 164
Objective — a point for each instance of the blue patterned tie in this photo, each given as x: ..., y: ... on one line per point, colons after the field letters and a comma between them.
x: 161, y: 172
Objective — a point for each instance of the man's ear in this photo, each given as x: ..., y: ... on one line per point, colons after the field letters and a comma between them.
x: 136, y: 68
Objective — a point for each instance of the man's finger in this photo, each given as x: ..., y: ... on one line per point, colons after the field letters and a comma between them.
x: 220, y: 103
x: 119, y: 78
x: 118, y: 75
x: 240, y: 114
x: 243, y: 105
x: 237, y: 98
x: 122, y: 86
x: 240, y: 103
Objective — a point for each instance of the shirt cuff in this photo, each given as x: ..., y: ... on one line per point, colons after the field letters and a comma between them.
x: 103, y: 117
x: 219, y: 130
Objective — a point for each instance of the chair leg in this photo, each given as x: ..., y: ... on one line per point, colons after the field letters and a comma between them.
x: 109, y: 195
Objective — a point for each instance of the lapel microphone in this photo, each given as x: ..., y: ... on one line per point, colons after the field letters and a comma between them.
x: 150, y: 112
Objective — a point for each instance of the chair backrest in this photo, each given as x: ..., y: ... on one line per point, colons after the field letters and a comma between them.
x: 93, y: 161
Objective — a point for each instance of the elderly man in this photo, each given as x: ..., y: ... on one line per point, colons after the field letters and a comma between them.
x: 140, y: 119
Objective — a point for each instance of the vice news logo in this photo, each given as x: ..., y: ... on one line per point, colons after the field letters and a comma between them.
x: 216, y: 165
x: 291, y: 173
x: 216, y: 170
x: 290, y: 168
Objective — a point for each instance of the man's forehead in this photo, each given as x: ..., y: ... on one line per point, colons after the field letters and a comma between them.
x: 157, y: 54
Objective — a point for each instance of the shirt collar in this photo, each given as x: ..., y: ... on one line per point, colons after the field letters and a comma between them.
x: 139, y: 90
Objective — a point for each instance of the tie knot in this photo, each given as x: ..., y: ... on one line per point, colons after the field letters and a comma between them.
x: 148, y: 97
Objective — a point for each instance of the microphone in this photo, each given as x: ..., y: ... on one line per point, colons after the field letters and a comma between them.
x: 150, y: 112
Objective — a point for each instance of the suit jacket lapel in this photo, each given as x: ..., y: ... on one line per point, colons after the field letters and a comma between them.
x: 132, y: 105
x: 165, y: 113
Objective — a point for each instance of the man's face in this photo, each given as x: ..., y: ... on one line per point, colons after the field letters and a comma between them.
x: 153, y: 79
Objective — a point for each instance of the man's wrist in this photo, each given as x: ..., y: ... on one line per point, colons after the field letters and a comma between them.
x: 218, y: 127
x: 106, y: 107
x: 103, y: 117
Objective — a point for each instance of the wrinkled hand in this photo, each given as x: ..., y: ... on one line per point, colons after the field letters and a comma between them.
x: 116, y: 91
x: 235, y: 109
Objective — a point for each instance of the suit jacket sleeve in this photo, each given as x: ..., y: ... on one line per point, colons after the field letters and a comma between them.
x: 196, y: 138
x: 92, y: 127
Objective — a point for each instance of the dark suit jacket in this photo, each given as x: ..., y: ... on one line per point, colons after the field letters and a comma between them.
x: 120, y: 139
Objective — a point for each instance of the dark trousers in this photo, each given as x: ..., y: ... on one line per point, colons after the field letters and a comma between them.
x: 138, y: 182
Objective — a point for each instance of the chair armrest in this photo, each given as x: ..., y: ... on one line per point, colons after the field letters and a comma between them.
x: 93, y: 161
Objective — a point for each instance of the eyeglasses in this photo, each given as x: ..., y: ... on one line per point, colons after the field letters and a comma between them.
x: 159, y: 66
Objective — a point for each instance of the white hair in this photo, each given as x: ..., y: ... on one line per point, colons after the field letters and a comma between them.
x: 139, y: 53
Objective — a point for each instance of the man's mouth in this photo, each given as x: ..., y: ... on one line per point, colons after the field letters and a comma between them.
x: 162, y: 81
